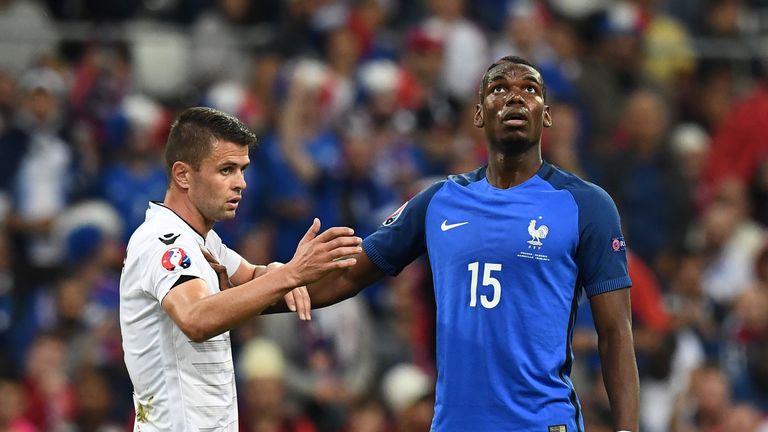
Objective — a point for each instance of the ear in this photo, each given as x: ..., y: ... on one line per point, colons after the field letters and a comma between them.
x: 547, y: 116
x: 180, y: 174
x: 478, y: 121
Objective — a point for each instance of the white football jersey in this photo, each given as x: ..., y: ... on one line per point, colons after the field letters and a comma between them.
x: 179, y: 385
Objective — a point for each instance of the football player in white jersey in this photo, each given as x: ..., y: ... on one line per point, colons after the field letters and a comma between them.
x: 175, y: 310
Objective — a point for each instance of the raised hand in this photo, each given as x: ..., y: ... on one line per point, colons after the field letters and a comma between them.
x: 317, y: 255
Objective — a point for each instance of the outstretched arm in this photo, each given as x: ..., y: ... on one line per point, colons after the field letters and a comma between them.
x: 201, y: 315
x: 613, y: 321
x: 339, y: 284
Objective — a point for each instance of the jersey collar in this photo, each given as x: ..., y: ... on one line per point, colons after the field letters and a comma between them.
x: 157, y: 207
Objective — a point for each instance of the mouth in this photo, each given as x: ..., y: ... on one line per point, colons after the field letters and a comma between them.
x: 232, y: 203
x: 514, y: 118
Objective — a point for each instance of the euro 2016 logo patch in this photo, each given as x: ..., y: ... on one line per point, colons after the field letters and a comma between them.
x: 175, y: 258
x: 618, y: 244
x: 393, y: 217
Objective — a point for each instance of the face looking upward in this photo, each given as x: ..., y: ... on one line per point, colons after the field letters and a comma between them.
x: 512, y: 109
x: 216, y: 188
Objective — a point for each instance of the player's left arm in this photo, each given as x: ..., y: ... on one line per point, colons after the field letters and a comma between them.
x: 602, y: 262
x: 297, y: 300
x: 613, y: 321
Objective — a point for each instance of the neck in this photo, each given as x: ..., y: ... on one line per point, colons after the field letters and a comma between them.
x: 507, y: 169
x: 179, y: 202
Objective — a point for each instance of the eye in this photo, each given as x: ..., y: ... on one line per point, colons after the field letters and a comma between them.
x: 530, y: 89
x: 498, y: 89
x: 226, y: 170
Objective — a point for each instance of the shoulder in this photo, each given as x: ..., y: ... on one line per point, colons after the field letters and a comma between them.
x: 151, y: 238
x: 585, y: 193
x: 213, y: 239
x: 435, y: 185
x: 469, y: 177
x: 421, y: 200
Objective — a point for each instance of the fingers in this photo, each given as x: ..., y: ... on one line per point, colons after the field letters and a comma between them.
x: 343, y: 263
x: 303, y: 303
x: 290, y: 301
x: 341, y: 242
x: 340, y: 253
x: 298, y: 301
x: 335, y: 232
x: 312, y: 231
x: 318, y: 254
x: 208, y: 256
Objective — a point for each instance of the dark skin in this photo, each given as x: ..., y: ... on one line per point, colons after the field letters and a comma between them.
x: 513, y: 115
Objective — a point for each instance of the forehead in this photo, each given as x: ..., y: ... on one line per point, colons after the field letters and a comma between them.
x: 227, y: 151
x: 507, y: 70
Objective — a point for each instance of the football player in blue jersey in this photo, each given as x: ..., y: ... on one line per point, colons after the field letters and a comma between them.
x: 512, y: 245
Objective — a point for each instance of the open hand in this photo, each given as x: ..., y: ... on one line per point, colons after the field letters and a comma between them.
x: 317, y: 255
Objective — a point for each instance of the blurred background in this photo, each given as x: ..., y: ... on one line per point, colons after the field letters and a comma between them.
x: 358, y: 104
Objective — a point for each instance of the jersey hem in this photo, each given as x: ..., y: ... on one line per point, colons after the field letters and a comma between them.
x: 377, y: 259
x: 608, y: 286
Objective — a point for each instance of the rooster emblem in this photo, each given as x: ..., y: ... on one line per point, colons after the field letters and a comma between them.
x: 537, y: 234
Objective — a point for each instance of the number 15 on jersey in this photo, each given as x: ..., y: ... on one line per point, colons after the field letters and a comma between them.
x: 488, y: 280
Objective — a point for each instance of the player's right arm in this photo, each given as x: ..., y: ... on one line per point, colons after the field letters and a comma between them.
x: 394, y: 245
x: 201, y: 315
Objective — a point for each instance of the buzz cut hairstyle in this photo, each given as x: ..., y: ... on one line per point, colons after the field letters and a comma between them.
x: 195, y: 131
x: 513, y: 60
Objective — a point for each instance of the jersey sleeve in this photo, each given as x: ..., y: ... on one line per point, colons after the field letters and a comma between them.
x: 601, y: 256
x: 166, y: 264
x: 401, y: 238
x: 226, y: 256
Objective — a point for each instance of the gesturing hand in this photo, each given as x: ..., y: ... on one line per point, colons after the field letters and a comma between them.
x: 219, y: 268
x: 317, y: 255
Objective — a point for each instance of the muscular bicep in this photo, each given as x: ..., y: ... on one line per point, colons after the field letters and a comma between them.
x: 180, y: 300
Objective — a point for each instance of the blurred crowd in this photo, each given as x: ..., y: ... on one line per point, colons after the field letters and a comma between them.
x: 358, y: 104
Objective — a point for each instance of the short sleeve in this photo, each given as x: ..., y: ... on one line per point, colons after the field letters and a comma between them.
x: 401, y: 238
x: 167, y: 263
x: 224, y: 255
x: 601, y: 256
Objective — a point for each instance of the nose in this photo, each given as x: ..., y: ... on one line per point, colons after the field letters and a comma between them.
x: 514, y: 97
x: 240, y: 182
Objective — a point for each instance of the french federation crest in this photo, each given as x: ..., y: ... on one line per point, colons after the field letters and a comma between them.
x: 537, y: 234
x: 175, y: 258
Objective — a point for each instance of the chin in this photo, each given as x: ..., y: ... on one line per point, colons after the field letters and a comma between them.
x: 226, y: 215
x: 517, y: 142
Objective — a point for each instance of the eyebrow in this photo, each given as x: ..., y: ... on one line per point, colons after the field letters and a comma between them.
x: 527, y: 77
x: 226, y: 164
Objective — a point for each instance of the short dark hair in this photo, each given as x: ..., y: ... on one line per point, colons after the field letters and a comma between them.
x: 509, y: 59
x: 196, y: 129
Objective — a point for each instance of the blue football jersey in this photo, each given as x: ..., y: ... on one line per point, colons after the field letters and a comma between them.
x: 508, y: 266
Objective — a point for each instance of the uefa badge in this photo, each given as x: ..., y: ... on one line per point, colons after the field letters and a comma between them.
x: 175, y: 258
x: 394, y: 216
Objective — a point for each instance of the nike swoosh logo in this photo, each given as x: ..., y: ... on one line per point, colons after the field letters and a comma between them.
x: 446, y: 226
